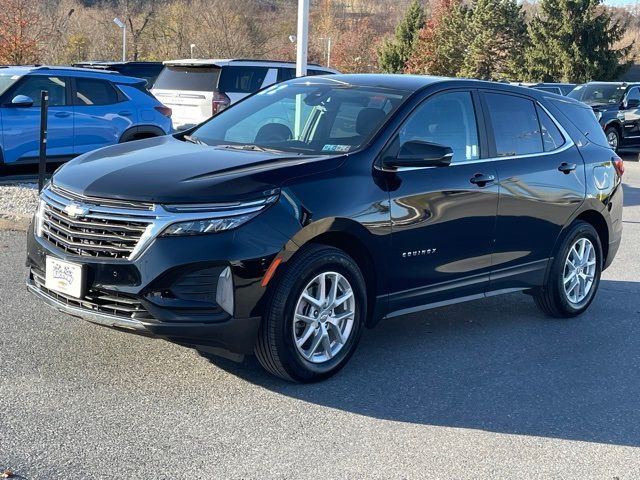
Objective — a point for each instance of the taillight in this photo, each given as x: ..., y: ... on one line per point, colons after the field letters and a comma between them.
x: 166, y: 111
x: 220, y: 102
x: 618, y: 164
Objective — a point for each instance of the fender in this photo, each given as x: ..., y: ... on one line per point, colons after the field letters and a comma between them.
x: 150, y: 130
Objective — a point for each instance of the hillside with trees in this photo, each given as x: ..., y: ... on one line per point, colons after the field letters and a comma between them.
x: 551, y: 40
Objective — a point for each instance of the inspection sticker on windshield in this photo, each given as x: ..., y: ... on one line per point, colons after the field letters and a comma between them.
x: 336, y: 148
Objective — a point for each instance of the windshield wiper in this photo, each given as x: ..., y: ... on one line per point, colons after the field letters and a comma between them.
x: 192, y: 139
x: 251, y: 147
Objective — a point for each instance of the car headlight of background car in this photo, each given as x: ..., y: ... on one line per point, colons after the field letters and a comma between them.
x: 223, y: 217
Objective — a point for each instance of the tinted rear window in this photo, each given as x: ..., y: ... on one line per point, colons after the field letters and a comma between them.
x: 242, y: 79
x: 515, y: 125
x: 197, y: 79
x: 148, y: 72
x: 584, y: 119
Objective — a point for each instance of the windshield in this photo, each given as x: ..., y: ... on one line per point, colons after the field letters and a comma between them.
x: 598, y: 94
x: 6, y: 81
x: 314, y: 117
x: 195, y: 79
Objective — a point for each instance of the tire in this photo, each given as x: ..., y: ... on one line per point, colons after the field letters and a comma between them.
x: 613, y: 137
x: 553, y: 299
x: 276, y: 347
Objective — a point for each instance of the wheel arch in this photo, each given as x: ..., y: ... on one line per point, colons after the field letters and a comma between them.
x: 355, y: 240
x: 138, y: 132
x: 615, y: 124
x: 597, y: 221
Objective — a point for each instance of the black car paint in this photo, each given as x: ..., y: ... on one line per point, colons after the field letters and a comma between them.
x: 484, y: 239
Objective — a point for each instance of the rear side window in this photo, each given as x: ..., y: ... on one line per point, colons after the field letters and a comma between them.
x: 94, y: 92
x: 312, y: 72
x: 515, y: 125
x: 552, y: 138
x: 584, y: 120
x: 285, y: 74
x: 242, y: 79
x: 195, y: 79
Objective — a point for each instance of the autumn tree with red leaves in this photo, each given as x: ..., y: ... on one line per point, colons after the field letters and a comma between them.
x: 21, y: 33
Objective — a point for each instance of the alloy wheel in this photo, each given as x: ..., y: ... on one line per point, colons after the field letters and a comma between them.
x: 612, y: 138
x: 324, y: 317
x: 579, y: 270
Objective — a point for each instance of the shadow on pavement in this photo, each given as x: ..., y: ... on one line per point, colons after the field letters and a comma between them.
x: 497, y: 365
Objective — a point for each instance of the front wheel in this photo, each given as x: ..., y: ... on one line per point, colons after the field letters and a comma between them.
x: 613, y: 137
x: 314, y: 318
x: 574, y: 276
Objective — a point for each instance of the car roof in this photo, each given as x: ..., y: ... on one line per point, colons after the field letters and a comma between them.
x: 72, y: 71
x: 221, y: 62
x: 412, y: 83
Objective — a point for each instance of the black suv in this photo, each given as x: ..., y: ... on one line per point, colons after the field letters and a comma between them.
x: 617, y: 108
x: 289, y: 222
x: 149, y: 71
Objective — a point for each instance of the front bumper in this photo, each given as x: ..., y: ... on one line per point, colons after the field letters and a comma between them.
x: 235, y: 336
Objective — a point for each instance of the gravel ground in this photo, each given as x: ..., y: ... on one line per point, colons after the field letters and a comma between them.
x: 490, y: 389
x: 19, y: 200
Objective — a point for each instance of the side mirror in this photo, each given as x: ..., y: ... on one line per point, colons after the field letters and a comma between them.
x: 419, y: 154
x: 21, y: 101
x: 631, y: 103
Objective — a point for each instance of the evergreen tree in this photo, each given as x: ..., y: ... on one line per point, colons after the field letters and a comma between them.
x: 443, y: 41
x: 572, y: 41
x: 498, y: 38
x: 393, y: 54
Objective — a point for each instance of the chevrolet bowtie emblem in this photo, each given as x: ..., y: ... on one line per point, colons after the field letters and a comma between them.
x: 75, y: 210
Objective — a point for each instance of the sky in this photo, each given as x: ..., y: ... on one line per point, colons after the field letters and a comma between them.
x: 619, y: 3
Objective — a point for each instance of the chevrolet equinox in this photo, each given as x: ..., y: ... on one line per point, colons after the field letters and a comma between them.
x: 312, y: 209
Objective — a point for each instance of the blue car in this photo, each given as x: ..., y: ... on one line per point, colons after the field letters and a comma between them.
x: 88, y: 109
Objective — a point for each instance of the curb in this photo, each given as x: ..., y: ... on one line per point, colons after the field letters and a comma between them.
x: 14, y: 223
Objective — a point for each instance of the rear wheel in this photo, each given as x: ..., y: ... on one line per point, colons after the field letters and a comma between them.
x: 314, y: 318
x: 613, y: 137
x: 574, y: 276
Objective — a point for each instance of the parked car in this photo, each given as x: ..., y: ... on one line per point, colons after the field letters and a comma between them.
x: 617, y: 108
x: 197, y: 89
x: 147, y: 70
x: 87, y: 110
x: 317, y: 207
x: 557, y: 88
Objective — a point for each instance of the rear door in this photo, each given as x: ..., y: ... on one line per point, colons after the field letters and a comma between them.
x: 188, y: 91
x: 101, y: 114
x: 541, y: 182
x: 21, y: 125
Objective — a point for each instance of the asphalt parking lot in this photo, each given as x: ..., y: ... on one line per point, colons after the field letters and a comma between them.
x: 489, y: 389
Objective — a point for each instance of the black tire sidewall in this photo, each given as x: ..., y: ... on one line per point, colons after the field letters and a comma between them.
x: 614, y: 130
x: 579, y: 230
x: 296, y: 366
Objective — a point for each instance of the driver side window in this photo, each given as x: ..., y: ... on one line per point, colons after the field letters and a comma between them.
x: 447, y: 119
x: 634, y: 94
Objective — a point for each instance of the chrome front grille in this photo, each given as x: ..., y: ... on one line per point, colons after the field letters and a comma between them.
x: 112, y: 303
x: 97, y: 231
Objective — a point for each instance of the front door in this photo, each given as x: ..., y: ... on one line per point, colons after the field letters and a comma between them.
x: 631, y: 113
x: 443, y: 218
x: 21, y: 125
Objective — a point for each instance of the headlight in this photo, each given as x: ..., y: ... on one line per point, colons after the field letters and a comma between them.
x: 211, y: 225
x: 213, y: 218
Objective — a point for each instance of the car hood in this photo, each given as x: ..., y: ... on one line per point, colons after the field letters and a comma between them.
x: 168, y: 170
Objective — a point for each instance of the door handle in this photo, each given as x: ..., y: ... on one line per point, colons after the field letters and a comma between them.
x: 62, y: 114
x: 125, y: 113
x: 481, y: 179
x: 567, y: 168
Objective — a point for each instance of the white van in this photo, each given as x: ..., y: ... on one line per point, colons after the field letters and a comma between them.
x: 197, y: 89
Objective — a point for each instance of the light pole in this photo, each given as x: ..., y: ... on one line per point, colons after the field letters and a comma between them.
x: 328, y: 39
x: 302, y: 38
x: 123, y: 26
x: 193, y: 45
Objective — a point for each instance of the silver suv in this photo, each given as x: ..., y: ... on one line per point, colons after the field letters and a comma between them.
x: 197, y: 89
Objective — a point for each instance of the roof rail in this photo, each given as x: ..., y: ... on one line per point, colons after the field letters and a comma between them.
x: 269, y: 61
